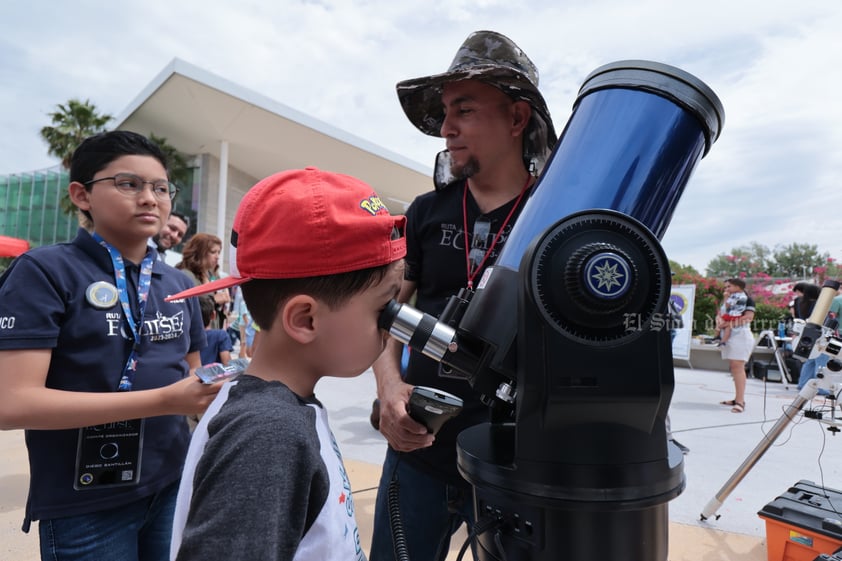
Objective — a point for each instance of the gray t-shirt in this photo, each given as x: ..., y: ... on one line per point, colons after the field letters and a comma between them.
x: 264, y: 479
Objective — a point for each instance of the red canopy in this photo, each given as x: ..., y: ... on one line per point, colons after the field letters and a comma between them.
x: 12, y: 247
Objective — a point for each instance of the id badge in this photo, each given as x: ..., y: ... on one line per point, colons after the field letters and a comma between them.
x: 109, y: 455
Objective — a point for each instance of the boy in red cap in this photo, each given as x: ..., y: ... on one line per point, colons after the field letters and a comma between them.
x: 318, y: 256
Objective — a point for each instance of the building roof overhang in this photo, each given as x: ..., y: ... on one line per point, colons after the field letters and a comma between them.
x: 196, y: 111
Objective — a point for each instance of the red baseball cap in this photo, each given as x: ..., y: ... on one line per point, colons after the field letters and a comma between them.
x: 308, y: 223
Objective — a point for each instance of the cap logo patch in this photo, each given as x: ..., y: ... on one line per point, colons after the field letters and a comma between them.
x: 372, y: 204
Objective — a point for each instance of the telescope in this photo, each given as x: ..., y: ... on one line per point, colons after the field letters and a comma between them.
x: 815, y: 338
x: 564, y: 336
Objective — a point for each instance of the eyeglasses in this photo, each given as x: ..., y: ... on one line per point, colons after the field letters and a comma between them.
x: 131, y: 185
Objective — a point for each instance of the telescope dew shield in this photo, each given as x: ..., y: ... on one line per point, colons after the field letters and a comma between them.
x: 637, y: 131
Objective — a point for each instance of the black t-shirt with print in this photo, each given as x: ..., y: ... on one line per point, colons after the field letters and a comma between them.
x: 436, y: 262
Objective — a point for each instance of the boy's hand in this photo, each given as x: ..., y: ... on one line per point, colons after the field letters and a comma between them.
x: 402, y: 432
x: 190, y: 396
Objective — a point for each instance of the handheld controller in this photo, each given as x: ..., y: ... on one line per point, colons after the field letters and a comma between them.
x: 212, y: 373
x: 432, y: 407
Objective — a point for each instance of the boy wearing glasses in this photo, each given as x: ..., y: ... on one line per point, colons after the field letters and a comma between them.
x: 94, y: 363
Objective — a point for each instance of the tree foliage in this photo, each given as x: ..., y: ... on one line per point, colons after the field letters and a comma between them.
x: 795, y: 260
x: 72, y: 122
x: 771, y: 296
x: 179, y: 169
x: 679, y: 269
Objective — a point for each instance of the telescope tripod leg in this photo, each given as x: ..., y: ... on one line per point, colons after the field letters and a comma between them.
x: 806, y: 394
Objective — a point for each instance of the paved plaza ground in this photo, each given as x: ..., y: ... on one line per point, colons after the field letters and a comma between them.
x: 719, y: 441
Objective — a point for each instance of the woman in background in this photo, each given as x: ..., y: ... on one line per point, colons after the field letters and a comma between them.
x: 739, y: 311
x: 200, y: 262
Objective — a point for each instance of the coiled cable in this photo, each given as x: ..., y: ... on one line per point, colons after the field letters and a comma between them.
x: 398, y: 535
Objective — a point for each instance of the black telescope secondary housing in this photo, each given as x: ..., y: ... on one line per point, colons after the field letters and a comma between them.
x: 569, y: 317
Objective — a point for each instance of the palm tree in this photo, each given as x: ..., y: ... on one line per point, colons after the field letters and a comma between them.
x: 72, y: 122
x: 180, y: 173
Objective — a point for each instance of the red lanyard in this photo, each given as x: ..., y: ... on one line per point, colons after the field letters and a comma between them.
x: 472, y: 276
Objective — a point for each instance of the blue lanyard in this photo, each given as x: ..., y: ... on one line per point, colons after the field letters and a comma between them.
x: 135, y: 327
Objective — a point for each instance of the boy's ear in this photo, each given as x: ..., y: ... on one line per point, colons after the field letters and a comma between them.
x: 79, y: 196
x: 298, y: 316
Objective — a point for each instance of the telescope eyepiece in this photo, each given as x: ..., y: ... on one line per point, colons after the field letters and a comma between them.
x: 388, y: 315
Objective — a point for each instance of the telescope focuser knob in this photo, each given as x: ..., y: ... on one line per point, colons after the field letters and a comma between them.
x: 599, y: 278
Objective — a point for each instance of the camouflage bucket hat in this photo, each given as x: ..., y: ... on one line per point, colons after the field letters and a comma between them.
x: 486, y: 56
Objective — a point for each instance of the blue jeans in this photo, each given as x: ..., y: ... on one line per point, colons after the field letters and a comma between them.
x: 809, y: 370
x: 430, y: 511
x: 139, y: 531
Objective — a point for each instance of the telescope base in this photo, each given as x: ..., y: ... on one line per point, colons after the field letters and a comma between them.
x: 523, y: 523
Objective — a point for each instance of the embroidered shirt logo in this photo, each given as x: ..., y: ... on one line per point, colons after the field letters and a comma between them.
x: 159, y: 328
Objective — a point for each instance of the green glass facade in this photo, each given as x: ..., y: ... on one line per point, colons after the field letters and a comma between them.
x: 30, y: 207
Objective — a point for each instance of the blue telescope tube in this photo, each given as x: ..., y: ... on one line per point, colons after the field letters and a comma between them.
x: 637, y: 131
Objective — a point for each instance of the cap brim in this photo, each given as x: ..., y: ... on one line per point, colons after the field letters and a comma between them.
x: 207, y: 288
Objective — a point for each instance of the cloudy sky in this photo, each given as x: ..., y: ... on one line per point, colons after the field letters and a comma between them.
x: 773, y: 176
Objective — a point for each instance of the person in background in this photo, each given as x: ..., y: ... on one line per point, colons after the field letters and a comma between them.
x: 242, y: 327
x: 200, y: 262
x: 739, y: 306
x: 218, y: 349
x: 265, y: 477
x: 498, y: 134
x: 250, y: 331
x: 836, y: 306
x: 235, y: 317
x: 806, y: 296
x: 172, y: 233
x: 730, y: 310
x: 94, y: 351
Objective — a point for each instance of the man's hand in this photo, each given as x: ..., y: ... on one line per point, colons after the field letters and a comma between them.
x: 402, y: 432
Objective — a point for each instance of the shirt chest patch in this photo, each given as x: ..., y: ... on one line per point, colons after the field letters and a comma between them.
x: 155, y: 328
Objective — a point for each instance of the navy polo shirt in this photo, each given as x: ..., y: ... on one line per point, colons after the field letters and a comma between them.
x: 44, y: 306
